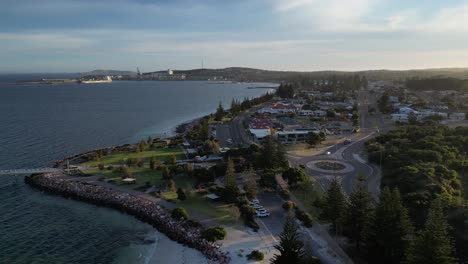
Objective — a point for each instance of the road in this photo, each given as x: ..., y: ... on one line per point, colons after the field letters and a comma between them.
x: 350, y: 155
x: 235, y: 131
x: 318, y: 240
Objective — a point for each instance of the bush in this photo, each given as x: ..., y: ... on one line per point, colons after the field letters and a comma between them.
x: 101, y: 166
x: 181, y: 194
x: 288, y: 205
x: 250, y: 222
x: 256, y: 255
x: 213, y: 234
x: 284, y: 194
x: 304, y: 217
x: 179, y: 213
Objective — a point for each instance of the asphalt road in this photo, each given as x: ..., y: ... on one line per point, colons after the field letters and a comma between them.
x: 351, y: 154
x: 235, y: 131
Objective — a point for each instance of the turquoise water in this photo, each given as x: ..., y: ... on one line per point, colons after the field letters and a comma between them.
x: 42, y: 123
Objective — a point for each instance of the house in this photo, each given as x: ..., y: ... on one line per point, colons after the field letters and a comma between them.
x: 400, y: 117
x: 406, y: 110
x: 393, y: 99
x: 320, y: 113
x: 305, y: 112
x: 294, y: 136
x: 259, y: 130
x: 457, y: 116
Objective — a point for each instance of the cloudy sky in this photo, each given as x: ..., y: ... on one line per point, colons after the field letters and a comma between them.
x: 81, y: 35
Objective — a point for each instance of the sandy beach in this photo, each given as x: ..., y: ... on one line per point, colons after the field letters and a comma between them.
x: 239, y: 243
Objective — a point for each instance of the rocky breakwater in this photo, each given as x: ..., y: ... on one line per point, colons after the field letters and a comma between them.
x: 143, y: 209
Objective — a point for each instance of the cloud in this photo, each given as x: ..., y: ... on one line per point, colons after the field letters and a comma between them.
x: 42, y: 41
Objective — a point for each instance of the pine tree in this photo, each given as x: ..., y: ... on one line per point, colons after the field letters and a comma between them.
x: 219, y: 112
x: 359, y: 215
x: 280, y: 156
x: 231, y: 190
x: 389, y: 237
x: 290, y: 245
x: 433, y: 244
x: 335, y: 205
x: 251, y: 185
x: 152, y: 163
x: 267, y: 158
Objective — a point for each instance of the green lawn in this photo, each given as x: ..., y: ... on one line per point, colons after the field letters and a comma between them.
x: 143, y: 174
x: 117, y: 158
x: 222, y: 213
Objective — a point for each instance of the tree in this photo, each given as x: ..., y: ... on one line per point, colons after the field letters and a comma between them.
x: 125, y: 171
x: 294, y: 175
x: 152, y: 163
x: 181, y: 194
x: 433, y: 244
x: 173, y: 160
x: 149, y: 141
x: 214, y: 233
x: 167, y: 174
x: 335, y: 205
x: 204, y: 130
x: 172, y: 185
x: 267, y: 154
x: 280, y: 156
x: 359, y: 214
x: 290, y: 246
x: 231, y: 190
x: 314, y: 138
x: 219, y: 112
x: 388, y: 241
x: 179, y: 213
x: 251, y: 185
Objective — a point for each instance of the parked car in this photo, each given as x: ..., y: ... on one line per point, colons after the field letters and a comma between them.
x: 302, y: 166
x: 265, y: 214
x: 254, y: 201
x: 257, y: 206
x: 261, y: 210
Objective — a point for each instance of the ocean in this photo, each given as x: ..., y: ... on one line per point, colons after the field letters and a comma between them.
x: 43, y: 123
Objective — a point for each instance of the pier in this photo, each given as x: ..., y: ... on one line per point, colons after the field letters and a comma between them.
x: 29, y: 171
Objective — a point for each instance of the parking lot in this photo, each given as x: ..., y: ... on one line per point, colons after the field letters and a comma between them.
x: 273, y: 223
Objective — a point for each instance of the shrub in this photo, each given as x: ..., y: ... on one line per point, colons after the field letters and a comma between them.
x: 101, y: 166
x: 288, y: 205
x: 304, y: 217
x: 213, y: 234
x: 250, y: 222
x: 284, y: 194
x: 256, y: 255
x: 181, y: 194
x: 179, y: 213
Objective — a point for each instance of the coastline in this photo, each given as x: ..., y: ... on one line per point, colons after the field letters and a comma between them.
x: 145, y: 210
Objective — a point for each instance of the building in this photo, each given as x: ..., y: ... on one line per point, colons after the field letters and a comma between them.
x: 291, y: 137
x: 305, y: 113
x: 259, y: 130
x: 457, y: 116
x: 406, y: 110
x: 400, y: 117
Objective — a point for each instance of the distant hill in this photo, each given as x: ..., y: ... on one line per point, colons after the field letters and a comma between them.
x: 250, y: 74
x: 108, y: 72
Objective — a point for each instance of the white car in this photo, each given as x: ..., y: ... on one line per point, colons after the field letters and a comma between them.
x: 257, y: 206
x: 254, y: 201
x: 262, y: 210
x: 264, y: 214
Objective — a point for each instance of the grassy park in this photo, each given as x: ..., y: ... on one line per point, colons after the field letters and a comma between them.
x: 144, y: 174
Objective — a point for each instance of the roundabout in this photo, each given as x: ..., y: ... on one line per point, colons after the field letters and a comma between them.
x: 330, y: 166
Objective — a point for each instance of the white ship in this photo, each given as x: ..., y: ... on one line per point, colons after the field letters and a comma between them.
x: 105, y: 80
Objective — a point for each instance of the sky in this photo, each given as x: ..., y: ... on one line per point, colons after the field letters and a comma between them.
x: 304, y: 35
